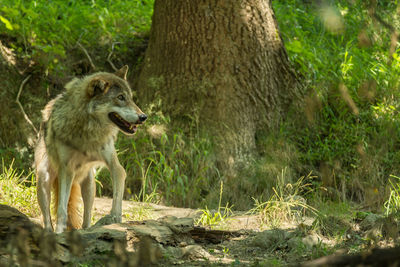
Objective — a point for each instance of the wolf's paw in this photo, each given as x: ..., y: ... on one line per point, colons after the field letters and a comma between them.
x: 108, y: 219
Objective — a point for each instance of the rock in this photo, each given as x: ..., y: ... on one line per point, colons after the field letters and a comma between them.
x: 178, y: 225
x: 311, y: 240
x: 161, y: 233
x: 193, y: 252
x: 107, y: 219
x: 294, y: 243
x: 370, y: 221
x: 271, y: 239
x: 174, y: 252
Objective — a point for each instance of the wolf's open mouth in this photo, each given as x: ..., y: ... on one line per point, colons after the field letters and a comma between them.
x: 125, y: 126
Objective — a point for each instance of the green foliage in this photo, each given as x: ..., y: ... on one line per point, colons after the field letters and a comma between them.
x: 45, y: 31
x: 350, y: 121
x: 18, y: 190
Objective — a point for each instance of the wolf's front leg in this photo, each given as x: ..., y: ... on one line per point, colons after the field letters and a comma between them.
x: 118, y: 176
x: 64, y: 189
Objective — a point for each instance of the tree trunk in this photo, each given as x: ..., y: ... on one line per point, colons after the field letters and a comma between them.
x: 222, y: 65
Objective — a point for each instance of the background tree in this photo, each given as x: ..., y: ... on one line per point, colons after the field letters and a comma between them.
x: 221, y: 65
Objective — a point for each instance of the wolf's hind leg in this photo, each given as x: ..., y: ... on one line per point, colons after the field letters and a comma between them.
x: 88, y: 188
x: 44, y: 184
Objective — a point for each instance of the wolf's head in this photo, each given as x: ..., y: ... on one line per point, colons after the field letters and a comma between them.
x: 110, y: 101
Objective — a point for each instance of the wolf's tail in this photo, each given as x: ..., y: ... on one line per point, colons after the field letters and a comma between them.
x: 74, y: 221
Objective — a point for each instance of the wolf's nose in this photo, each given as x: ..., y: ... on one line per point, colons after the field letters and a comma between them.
x: 142, y: 117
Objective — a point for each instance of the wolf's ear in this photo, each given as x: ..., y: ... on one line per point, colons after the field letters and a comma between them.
x: 97, y: 86
x: 122, y: 72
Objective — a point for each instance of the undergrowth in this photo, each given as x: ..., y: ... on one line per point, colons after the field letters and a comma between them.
x: 347, y: 132
x: 287, y: 203
x: 214, y: 219
x: 139, y: 212
x: 18, y: 190
x: 333, y: 219
x: 392, y: 205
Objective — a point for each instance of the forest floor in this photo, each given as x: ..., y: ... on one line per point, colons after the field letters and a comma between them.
x: 248, y: 242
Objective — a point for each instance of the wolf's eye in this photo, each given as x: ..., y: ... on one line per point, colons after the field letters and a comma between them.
x: 121, y: 97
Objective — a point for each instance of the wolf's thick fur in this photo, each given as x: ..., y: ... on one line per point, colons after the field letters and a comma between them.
x: 77, y: 135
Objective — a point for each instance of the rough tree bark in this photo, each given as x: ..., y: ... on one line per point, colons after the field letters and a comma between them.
x: 221, y: 64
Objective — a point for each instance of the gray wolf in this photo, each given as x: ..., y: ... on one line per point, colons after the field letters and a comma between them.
x: 77, y: 135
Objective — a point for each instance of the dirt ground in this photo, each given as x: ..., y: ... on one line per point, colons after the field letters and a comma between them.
x: 255, y: 245
x: 203, y: 254
x: 234, y: 250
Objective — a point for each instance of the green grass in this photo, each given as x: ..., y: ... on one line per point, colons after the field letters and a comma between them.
x: 287, y: 204
x: 139, y: 212
x: 18, y: 190
x: 334, y: 219
x: 392, y: 205
x: 218, y: 218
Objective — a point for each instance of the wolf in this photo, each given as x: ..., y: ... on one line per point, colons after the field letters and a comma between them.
x: 77, y: 135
